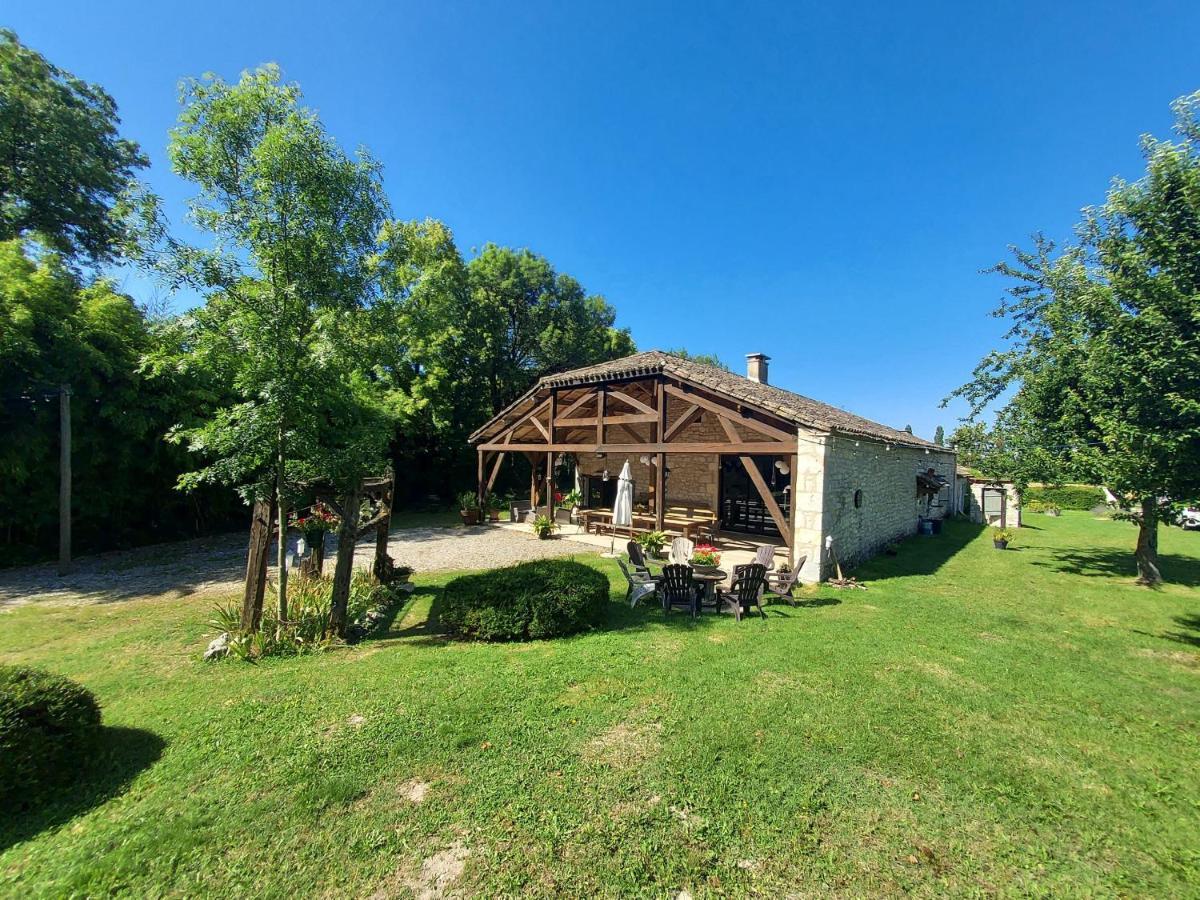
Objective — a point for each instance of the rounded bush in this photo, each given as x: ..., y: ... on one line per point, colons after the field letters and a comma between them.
x: 541, y: 599
x: 47, y: 723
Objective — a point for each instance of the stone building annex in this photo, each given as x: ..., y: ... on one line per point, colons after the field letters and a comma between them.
x: 735, y: 455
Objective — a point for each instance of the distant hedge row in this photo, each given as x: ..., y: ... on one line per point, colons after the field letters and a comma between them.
x: 1067, y: 496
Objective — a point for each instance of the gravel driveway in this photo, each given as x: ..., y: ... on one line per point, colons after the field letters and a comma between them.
x: 218, y: 564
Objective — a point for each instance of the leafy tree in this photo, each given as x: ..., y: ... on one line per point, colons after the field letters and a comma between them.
x: 708, y: 359
x: 939, y: 436
x: 290, y: 274
x: 62, y: 164
x: 908, y: 428
x: 1103, y: 355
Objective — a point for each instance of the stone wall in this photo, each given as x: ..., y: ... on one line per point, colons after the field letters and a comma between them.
x: 889, y: 508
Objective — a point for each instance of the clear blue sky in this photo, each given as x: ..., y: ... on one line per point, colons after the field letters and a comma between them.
x: 816, y: 182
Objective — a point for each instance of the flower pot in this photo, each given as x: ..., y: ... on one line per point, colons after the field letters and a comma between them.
x: 469, y: 516
x: 493, y: 515
x: 1000, y: 545
x: 937, y: 526
x: 705, y: 570
x: 545, y: 535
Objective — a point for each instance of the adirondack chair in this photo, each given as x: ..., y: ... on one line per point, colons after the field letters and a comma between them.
x: 781, y: 583
x: 639, y: 585
x: 681, y: 551
x: 678, y: 589
x: 745, y: 591
x: 765, y: 556
x: 637, y: 558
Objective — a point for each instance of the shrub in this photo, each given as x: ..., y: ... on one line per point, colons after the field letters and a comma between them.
x: 1066, y: 496
x: 652, y: 542
x: 543, y: 526
x: 47, y: 723
x: 540, y: 599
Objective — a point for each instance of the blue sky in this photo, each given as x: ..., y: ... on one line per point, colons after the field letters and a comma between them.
x: 819, y: 182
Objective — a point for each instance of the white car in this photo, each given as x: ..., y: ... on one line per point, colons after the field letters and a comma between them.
x: 1190, y: 518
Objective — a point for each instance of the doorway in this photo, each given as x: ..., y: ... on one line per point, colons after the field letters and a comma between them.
x: 742, y: 509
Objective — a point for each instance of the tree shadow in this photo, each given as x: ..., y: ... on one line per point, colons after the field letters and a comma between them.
x: 1191, y: 633
x: 114, y: 760
x: 1116, y: 563
x: 921, y: 554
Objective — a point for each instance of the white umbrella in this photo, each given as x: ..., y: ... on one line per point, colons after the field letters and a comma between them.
x: 623, y: 505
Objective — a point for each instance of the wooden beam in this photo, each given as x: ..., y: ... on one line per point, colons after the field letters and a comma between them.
x: 550, y: 455
x: 256, y: 563
x: 768, y: 448
x: 601, y: 402
x: 767, y: 498
x: 660, y: 488
x: 578, y: 403
x: 732, y: 414
x: 479, y: 466
x: 541, y: 427
x: 629, y: 433
x: 495, y: 471
x: 682, y: 422
x: 636, y: 418
x: 631, y: 401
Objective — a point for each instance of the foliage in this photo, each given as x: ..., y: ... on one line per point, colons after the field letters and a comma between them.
x: 573, y: 499
x: 999, y: 726
x: 939, y: 436
x: 46, y: 724
x: 56, y: 330
x: 320, y: 521
x: 62, y: 164
x: 652, y: 542
x: 705, y: 555
x: 1003, y: 535
x: 1065, y: 496
x: 708, y: 359
x: 544, y: 526
x: 468, y: 500
x: 541, y: 599
x: 1100, y: 380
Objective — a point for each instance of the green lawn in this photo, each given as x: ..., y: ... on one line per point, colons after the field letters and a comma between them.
x: 977, y: 722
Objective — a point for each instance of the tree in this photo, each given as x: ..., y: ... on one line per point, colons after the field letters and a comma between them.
x: 939, y: 436
x: 291, y: 272
x: 708, y: 359
x: 1103, y: 355
x: 62, y: 164
x: 908, y: 428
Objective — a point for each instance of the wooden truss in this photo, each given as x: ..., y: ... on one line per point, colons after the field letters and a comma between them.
x: 631, y: 416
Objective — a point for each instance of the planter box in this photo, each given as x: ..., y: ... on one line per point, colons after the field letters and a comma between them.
x: 562, y: 516
x: 469, y: 516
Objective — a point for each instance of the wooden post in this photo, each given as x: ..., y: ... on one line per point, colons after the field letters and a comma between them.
x: 480, y: 490
x: 383, y: 530
x: 347, y: 536
x: 600, y: 404
x: 1003, y: 506
x: 795, y: 465
x: 660, y: 480
x: 533, y: 481
x: 64, y: 479
x: 550, y: 456
x: 256, y: 563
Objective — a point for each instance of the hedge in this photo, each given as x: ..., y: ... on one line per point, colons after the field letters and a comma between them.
x: 1067, y: 496
x: 541, y: 599
x: 47, y: 723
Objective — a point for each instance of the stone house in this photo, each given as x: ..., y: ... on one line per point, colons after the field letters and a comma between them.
x: 759, y: 459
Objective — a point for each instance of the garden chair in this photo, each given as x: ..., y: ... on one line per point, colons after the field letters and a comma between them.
x: 765, y: 556
x: 639, y: 585
x: 681, y: 551
x: 745, y: 591
x: 781, y: 583
x: 637, y: 558
x: 677, y: 588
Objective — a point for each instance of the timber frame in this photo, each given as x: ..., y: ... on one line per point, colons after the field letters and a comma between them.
x: 642, y: 414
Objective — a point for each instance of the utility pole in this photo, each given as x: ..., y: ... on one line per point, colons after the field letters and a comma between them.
x: 64, y: 479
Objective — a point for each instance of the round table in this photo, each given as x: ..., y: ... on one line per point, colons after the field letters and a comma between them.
x: 710, y: 580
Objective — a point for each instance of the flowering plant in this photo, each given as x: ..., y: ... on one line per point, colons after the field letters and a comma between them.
x: 313, y: 526
x: 706, y: 555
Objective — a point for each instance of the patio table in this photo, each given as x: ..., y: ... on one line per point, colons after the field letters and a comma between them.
x: 710, y: 580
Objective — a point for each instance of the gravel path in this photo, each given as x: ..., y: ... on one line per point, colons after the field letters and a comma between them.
x: 218, y: 564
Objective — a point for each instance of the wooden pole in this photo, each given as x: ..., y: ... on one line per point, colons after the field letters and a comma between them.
x: 64, y: 479
x: 480, y: 490
x: 344, y: 569
x: 383, y: 530
x: 550, y: 456
x: 256, y: 563
x: 660, y: 480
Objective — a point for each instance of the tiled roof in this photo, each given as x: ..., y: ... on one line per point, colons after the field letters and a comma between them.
x: 786, y: 405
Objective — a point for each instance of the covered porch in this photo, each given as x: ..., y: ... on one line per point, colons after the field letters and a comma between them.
x: 706, y: 465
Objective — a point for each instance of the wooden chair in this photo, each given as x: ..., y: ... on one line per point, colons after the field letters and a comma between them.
x: 745, y: 591
x: 681, y: 551
x: 637, y: 558
x: 781, y: 583
x: 678, y: 589
x: 639, y: 585
x: 765, y: 556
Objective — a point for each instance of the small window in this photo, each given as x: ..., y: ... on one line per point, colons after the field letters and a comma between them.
x: 858, y: 499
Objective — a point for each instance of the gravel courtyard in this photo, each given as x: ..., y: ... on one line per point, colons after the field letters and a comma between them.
x: 217, y: 564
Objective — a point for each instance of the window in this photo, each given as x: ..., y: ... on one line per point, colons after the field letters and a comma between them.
x: 858, y: 499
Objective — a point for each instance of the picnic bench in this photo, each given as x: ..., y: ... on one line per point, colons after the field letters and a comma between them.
x: 691, y: 523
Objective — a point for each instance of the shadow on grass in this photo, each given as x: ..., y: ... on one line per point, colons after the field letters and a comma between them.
x: 921, y: 554
x: 118, y: 755
x: 1190, y: 634
x: 1116, y: 563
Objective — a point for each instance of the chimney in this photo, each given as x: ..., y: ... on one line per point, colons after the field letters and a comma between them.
x: 756, y: 367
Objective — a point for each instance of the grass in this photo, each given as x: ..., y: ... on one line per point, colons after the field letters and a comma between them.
x: 1020, y: 722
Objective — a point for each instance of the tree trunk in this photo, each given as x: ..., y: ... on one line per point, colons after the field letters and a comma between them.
x: 347, y: 535
x: 1147, y: 543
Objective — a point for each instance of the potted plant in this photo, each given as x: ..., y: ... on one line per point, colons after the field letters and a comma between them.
x: 494, y: 506
x: 320, y: 521
x: 572, y: 500
x: 705, y: 558
x: 652, y: 542
x: 468, y: 508
x: 1001, y: 537
x: 543, y: 527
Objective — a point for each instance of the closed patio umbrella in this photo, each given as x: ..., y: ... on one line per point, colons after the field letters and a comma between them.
x: 622, y: 505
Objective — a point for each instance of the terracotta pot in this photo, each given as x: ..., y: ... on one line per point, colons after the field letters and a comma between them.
x: 469, y: 516
x: 1000, y: 545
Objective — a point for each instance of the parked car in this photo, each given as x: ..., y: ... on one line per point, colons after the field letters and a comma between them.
x: 1190, y: 518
